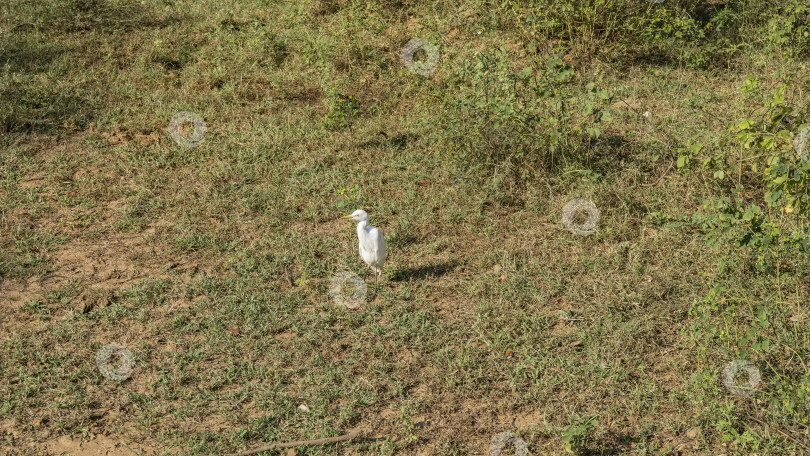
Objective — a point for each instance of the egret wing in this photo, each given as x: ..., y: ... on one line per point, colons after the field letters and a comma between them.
x: 375, y: 246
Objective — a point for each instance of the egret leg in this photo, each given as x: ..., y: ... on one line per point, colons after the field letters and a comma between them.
x: 366, y: 273
x: 375, y: 286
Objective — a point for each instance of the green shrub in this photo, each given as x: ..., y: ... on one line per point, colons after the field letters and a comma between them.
x: 520, y: 119
x: 768, y: 203
x: 697, y: 34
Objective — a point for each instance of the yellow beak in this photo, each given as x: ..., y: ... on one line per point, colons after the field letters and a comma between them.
x: 346, y: 217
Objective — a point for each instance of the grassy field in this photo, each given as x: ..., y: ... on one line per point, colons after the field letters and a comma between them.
x: 211, y: 262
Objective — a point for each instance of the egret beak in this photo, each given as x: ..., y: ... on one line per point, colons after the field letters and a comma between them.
x: 346, y: 217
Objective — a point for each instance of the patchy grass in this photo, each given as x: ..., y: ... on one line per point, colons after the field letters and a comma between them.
x: 212, y: 264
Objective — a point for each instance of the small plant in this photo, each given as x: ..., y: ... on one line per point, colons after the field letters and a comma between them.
x: 686, y: 154
x: 408, y: 425
x: 348, y: 198
x: 304, y: 280
x: 36, y: 305
x: 342, y: 110
x: 729, y: 429
x: 575, y: 434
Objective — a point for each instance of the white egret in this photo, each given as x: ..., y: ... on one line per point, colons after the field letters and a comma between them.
x: 372, y: 244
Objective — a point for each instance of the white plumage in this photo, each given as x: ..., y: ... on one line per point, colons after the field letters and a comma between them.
x: 372, y: 243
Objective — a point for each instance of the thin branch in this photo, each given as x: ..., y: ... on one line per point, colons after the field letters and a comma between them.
x: 340, y: 438
x: 663, y: 175
x: 289, y: 275
x: 781, y: 432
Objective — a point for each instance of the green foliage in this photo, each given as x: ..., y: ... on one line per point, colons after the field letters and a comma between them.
x: 686, y: 154
x: 36, y: 305
x: 788, y: 29
x: 574, y: 20
x: 342, y: 110
x: 521, y: 118
x: 348, y: 198
x: 730, y: 430
x: 699, y: 34
x: 575, y: 435
x: 766, y: 210
x: 687, y: 35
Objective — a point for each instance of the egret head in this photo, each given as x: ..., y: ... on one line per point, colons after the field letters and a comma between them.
x: 357, y: 216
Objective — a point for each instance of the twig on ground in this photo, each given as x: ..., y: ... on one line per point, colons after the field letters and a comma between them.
x: 340, y: 438
x: 781, y: 432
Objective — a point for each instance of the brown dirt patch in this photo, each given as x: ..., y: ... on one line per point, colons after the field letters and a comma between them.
x: 96, y: 445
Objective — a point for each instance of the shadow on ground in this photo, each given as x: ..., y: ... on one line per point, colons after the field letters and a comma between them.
x: 430, y: 271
